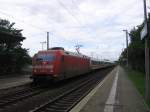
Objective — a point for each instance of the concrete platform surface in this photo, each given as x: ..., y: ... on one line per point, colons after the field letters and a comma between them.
x: 12, y: 81
x: 116, y: 93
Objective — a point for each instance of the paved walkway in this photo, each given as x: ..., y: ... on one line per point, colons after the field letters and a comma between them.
x: 116, y: 93
x: 12, y: 81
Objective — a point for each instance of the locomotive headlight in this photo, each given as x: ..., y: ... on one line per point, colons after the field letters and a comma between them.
x: 34, y: 70
x: 51, y: 66
x: 55, y: 75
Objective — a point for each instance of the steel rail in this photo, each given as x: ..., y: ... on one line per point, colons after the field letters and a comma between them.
x: 65, y: 101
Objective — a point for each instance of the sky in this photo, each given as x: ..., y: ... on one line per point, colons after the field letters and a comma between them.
x: 95, y: 24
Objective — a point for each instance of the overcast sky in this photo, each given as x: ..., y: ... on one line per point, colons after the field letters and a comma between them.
x: 95, y: 24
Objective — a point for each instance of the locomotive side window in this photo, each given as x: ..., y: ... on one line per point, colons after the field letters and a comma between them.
x: 48, y: 57
x: 62, y: 58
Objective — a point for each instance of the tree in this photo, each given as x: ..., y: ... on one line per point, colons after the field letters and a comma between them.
x: 12, y: 56
x: 135, y: 50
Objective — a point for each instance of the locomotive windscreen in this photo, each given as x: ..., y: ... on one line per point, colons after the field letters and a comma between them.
x: 45, y: 57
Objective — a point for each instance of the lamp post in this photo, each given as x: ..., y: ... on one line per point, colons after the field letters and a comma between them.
x: 147, y: 66
x: 126, y: 31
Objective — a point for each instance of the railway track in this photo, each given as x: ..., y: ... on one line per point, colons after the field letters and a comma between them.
x: 64, y: 94
x: 65, y: 101
x: 11, y: 98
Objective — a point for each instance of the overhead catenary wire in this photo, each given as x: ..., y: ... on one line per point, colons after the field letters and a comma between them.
x: 69, y: 12
x: 31, y: 25
x: 44, y: 29
x: 75, y: 18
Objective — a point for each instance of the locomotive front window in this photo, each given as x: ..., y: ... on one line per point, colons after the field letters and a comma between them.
x: 48, y: 57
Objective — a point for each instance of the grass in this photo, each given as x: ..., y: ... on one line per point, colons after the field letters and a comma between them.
x: 138, y: 79
x: 148, y: 103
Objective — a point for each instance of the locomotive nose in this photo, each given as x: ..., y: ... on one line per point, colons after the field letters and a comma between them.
x: 47, y: 69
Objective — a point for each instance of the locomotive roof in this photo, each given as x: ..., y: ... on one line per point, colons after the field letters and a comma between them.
x: 65, y: 53
x: 61, y: 49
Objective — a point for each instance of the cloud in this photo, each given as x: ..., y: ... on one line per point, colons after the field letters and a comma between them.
x: 96, y: 24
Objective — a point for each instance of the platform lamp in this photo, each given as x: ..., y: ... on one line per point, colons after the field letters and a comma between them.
x: 126, y: 31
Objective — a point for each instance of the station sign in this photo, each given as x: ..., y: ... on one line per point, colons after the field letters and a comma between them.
x: 144, y: 31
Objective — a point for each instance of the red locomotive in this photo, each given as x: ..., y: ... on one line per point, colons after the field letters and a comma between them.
x: 58, y: 64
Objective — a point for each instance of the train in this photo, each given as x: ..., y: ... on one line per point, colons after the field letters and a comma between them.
x: 58, y: 64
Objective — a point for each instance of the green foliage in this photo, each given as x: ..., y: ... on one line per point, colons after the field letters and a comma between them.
x: 139, y: 81
x: 136, y: 50
x: 12, y: 56
x: 6, y: 26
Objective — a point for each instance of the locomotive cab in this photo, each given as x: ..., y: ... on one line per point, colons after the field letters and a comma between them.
x: 46, y: 65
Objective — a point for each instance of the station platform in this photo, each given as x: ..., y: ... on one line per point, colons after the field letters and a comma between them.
x: 116, y: 93
x: 14, y: 80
